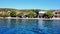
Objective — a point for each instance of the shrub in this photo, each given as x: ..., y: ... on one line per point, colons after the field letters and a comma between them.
x: 13, y: 13
x: 20, y: 15
x: 31, y: 14
x: 1, y: 15
x: 49, y: 14
x: 5, y: 15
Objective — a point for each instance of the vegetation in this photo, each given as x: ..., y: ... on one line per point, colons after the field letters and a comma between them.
x: 32, y: 14
x: 7, y: 9
x: 36, y: 11
x: 5, y: 15
x: 49, y: 14
x: 20, y: 15
x: 13, y: 13
x: 1, y: 15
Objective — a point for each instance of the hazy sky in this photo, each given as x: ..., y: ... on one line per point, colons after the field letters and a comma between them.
x: 30, y: 4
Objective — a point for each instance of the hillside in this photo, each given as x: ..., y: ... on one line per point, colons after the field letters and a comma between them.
x: 9, y: 9
x: 6, y: 9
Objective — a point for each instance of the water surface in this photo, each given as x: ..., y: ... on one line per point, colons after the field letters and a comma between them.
x: 29, y: 26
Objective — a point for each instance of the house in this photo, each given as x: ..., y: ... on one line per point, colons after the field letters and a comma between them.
x: 41, y: 13
x: 57, y: 14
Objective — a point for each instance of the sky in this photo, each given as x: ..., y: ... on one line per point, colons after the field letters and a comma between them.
x: 31, y: 4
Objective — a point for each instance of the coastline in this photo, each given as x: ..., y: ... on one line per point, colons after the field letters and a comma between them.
x: 30, y: 18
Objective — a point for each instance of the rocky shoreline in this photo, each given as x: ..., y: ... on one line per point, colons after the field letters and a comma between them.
x: 30, y: 18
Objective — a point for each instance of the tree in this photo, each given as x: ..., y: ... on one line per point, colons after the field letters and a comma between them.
x: 13, y: 13
x: 49, y: 14
x: 20, y: 15
x: 36, y: 11
x: 31, y: 14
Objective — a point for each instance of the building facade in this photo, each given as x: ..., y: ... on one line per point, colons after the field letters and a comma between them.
x: 56, y: 14
x: 41, y: 13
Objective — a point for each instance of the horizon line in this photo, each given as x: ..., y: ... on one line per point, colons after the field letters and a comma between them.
x: 29, y: 9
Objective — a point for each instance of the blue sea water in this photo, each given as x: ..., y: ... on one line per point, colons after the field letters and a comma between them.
x: 29, y: 26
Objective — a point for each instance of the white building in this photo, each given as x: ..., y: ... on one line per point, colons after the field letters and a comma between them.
x: 41, y: 13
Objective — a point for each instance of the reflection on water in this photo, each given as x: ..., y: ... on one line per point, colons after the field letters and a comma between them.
x: 29, y: 26
x: 48, y: 23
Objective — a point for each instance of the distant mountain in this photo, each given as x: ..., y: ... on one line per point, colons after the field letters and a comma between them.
x: 9, y: 9
x: 6, y: 9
